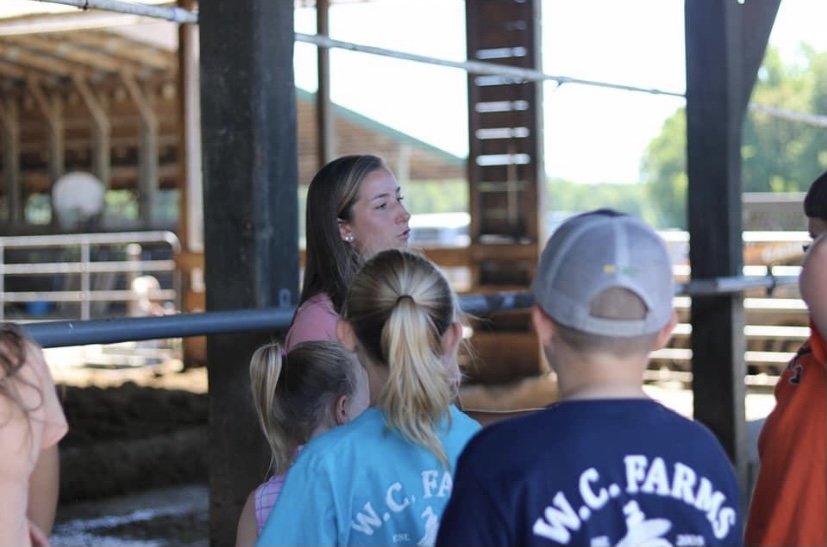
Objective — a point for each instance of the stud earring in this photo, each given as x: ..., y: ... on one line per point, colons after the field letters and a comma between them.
x: 349, y: 238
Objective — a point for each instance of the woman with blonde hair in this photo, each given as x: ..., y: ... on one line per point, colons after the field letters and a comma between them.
x: 384, y: 478
x: 298, y: 395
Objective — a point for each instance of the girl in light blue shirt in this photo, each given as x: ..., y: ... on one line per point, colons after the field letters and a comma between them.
x: 385, y: 478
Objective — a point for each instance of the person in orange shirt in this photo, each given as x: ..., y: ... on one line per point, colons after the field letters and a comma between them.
x: 31, y: 424
x: 789, y: 503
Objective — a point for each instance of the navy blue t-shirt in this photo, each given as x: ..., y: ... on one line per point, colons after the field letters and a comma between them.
x: 594, y: 473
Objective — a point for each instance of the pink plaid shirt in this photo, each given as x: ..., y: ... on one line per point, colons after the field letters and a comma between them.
x: 266, y: 495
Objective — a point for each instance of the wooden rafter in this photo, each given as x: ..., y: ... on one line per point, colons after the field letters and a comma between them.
x: 140, y: 99
x: 8, y: 70
x: 121, y: 47
x: 42, y: 101
x: 39, y: 24
x: 25, y: 58
x: 94, y: 56
x: 69, y: 53
x: 91, y: 101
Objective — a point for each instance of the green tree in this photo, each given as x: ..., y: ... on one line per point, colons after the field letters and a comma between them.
x: 664, y: 172
x: 571, y: 197
x: 778, y: 154
x: 444, y: 196
x: 781, y: 155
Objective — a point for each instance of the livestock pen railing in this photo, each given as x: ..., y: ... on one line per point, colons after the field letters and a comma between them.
x: 73, y: 333
x: 66, y: 275
x: 87, y: 276
x: 776, y: 318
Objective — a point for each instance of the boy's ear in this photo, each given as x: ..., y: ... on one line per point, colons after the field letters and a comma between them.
x: 543, y: 325
x: 344, y: 332
x: 451, y: 338
x: 665, y: 333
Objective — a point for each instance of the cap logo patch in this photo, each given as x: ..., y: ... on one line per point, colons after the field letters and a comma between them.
x: 631, y: 271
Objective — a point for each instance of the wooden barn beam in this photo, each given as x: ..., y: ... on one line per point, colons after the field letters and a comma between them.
x: 248, y: 117
x: 148, y: 160
x: 719, y: 46
x: 101, y: 130
x: 124, y: 48
x: 65, y: 22
x: 10, y: 122
x: 325, y: 121
x: 51, y: 107
x: 44, y: 64
x: 190, y: 185
x: 11, y: 70
x: 64, y: 51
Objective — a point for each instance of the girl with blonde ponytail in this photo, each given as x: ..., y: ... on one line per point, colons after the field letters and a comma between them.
x: 297, y: 395
x: 384, y: 478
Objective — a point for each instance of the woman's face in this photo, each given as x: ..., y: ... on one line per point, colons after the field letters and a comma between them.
x: 379, y: 221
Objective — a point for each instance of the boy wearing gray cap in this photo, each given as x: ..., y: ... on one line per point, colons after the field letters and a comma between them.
x: 606, y: 465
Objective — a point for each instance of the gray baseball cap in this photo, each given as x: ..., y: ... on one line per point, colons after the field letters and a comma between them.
x: 594, y: 251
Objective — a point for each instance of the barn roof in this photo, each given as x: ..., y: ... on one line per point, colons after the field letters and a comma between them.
x: 109, y: 55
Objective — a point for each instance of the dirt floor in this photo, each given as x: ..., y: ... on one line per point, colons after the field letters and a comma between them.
x: 134, y: 464
x: 131, y: 430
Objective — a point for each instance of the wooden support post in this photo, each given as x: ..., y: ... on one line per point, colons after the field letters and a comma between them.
x: 191, y: 221
x: 717, y: 93
x: 10, y: 122
x: 248, y: 116
x: 52, y: 109
x: 326, y: 125
x: 191, y: 196
x: 101, y: 132
x: 148, y: 159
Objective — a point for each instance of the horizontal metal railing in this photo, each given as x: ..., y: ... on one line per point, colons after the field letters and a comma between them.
x: 108, y: 331
x: 80, y: 262
x: 756, y: 278
x: 72, y: 333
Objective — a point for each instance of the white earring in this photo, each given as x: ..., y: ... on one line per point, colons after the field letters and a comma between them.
x: 349, y: 238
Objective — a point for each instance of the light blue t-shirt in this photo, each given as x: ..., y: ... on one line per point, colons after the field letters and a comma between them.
x: 364, y: 484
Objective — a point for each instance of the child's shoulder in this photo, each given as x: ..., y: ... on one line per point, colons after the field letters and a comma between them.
x: 362, y: 430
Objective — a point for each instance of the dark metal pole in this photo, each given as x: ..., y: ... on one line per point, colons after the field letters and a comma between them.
x: 53, y: 334
x: 276, y: 320
x: 251, y: 240
x: 717, y: 92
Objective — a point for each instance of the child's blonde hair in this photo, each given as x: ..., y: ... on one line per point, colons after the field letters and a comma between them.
x: 295, y: 393
x: 399, y: 306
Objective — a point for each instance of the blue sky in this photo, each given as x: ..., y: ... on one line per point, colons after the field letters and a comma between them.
x: 591, y: 134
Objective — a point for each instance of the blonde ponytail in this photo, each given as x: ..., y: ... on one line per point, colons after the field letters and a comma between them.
x: 399, y: 307
x: 265, y: 371
x: 294, y: 394
x: 418, y: 390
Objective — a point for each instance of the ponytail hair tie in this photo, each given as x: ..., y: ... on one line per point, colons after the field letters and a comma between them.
x: 283, y: 355
x: 403, y: 297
